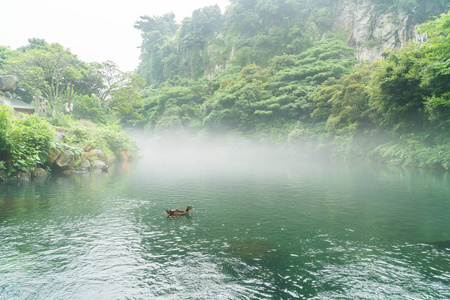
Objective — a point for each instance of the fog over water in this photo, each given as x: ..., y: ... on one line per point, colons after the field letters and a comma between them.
x: 220, y: 154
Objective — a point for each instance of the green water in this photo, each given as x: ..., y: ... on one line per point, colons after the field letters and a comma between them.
x: 265, y: 226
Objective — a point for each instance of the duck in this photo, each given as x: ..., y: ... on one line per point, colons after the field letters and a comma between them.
x: 178, y: 212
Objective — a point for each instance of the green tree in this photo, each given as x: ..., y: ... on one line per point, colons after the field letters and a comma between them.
x: 120, y: 95
x: 155, y: 32
x: 351, y: 106
x: 436, y: 73
x: 89, y: 108
x: 294, y: 85
x: 5, y: 141
x: 239, y: 104
x: 398, y: 93
x: 47, y: 70
x: 5, y: 53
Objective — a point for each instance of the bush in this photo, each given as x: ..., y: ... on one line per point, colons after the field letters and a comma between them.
x: 5, y: 142
x: 83, y: 134
x: 30, y: 141
x: 112, y: 139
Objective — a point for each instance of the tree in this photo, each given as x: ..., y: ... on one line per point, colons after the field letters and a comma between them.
x: 436, y: 73
x: 156, y: 31
x: 47, y: 70
x: 397, y: 92
x: 240, y: 104
x: 351, y: 106
x: 120, y: 94
x: 5, y: 53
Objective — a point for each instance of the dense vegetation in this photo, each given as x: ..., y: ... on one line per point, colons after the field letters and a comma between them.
x: 27, y: 141
x: 251, y: 31
x: 279, y: 69
x: 102, y: 96
x: 265, y: 69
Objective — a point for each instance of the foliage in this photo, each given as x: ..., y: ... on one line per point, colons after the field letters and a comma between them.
x: 156, y: 32
x: 436, y: 73
x: 294, y: 85
x: 5, y: 52
x: 89, y: 108
x: 26, y: 141
x: 346, y: 103
x: 174, y: 107
x: 239, y: 103
x: 83, y: 135
x: 50, y: 70
x: 97, y: 91
x: 120, y: 94
x: 111, y: 138
x: 280, y: 81
x: 5, y: 124
x: 263, y: 68
x: 412, y: 151
x: 398, y: 94
x: 250, y: 32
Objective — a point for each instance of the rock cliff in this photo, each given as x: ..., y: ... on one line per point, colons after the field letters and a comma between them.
x: 373, y: 31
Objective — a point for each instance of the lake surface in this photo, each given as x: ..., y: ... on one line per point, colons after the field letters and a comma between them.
x: 266, y: 225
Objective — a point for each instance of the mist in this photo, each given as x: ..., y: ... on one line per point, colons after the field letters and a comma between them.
x: 187, y: 155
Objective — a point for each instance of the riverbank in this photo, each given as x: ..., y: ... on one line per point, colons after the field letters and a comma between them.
x: 31, y: 147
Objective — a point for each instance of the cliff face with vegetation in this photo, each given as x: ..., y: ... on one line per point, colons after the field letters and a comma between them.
x: 346, y: 76
x: 253, y: 31
x: 373, y: 30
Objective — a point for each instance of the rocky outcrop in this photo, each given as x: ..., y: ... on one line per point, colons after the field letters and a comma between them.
x: 20, y: 177
x: 39, y: 173
x: 8, y: 83
x: 65, y: 160
x: 98, y: 164
x: 96, y: 154
x: 372, y: 32
x: 53, y: 156
x: 61, y: 161
x: 82, y: 165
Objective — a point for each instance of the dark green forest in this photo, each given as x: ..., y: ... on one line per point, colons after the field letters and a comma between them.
x: 268, y: 70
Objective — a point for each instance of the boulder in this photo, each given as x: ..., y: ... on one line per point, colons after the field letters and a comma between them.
x: 59, y: 136
x: 68, y: 170
x: 23, y: 177
x: 65, y: 160
x: 20, y: 177
x: 8, y: 83
x: 96, y: 152
x: 53, y: 156
x: 39, y: 173
x: 98, y: 164
x: 82, y: 164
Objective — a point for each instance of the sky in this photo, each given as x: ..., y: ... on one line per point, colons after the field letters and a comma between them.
x: 94, y: 30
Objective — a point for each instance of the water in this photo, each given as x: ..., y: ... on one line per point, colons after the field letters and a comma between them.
x: 265, y: 226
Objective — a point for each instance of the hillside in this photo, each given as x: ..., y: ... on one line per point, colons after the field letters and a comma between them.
x: 252, y: 31
x: 362, y: 78
x: 351, y: 78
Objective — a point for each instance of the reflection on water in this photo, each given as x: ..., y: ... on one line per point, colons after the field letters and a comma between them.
x: 265, y: 225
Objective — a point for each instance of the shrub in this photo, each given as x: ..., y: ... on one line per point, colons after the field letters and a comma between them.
x: 30, y: 142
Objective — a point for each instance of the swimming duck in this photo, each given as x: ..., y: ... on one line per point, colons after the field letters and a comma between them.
x: 178, y: 212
